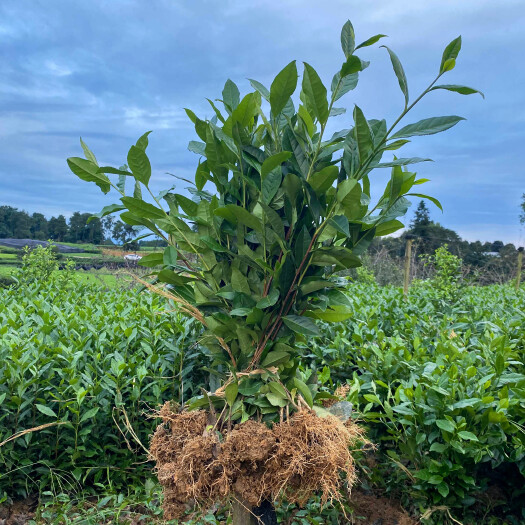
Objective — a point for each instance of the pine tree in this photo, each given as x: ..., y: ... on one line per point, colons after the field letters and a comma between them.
x: 421, y: 216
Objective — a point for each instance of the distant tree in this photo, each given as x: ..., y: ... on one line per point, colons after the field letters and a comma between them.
x: 39, y: 227
x: 522, y: 206
x: 496, y: 246
x: 77, y: 223
x: 22, y: 225
x: 57, y: 228
x: 124, y: 233
x: 421, y: 216
x: 108, y: 223
x: 82, y: 232
x: 14, y: 223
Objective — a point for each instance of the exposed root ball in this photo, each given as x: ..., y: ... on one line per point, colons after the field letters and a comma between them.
x: 311, y: 453
x: 295, y: 459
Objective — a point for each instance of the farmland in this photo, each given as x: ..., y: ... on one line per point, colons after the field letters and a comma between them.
x: 437, y: 381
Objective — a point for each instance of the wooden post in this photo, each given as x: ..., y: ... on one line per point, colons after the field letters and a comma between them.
x: 242, y: 513
x: 520, y: 262
x: 408, y: 260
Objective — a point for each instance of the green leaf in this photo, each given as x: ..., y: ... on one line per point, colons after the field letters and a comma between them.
x: 363, y: 134
x: 273, y: 162
x: 372, y: 40
x: 269, y: 300
x: 114, y: 171
x: 230, y: 393
x: 304, y: 391
x: 401, y: 162
x: 235, y: 214
x: 335, y: 314
x: 88, y: 171
x: 152, y: 259
x: 45, y: 410
x: 107, y: 210
x: 88, y: 153
x: 351, y: 66
x: 468, y: 435
x: 443, y: 489
x: 432, y: 199
x: 276, y: 357
x: 301, y: 325
x: 314, y: 94
x: 239, y: 282
x: 400, y: 73
x: 450, y: 54
x: 283, y: 87
x: 263, y: 90
x: 197, y: 147
x: 341, y: 86
x: 427, y: 126
x: 91, y: 413
x: 340, y: 223
x: 230, y: 96
x: 278, y: 389
x: 270, y: 186
x: 322, y: 180
x: 386, y: 228
x: 247, y: 109
x: 339, y: 256
x: 438, y: 447
x: 142, y: 142
x: 301, y: 244
x: 169, y: 257
x: 462, y: 90
x: 445, y: 424
x: 139, y: 164
x: 348, y: 38
x: 276, y: 400
x: 142, y: 208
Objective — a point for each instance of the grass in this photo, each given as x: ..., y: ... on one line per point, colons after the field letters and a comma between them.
x: 102, y: 277
x: 6, y: 270
x: 8, y: 256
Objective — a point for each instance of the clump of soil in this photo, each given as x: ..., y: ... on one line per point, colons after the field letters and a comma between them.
x: 19, y: 513
x: 252, y: 462
x: 378, y: 510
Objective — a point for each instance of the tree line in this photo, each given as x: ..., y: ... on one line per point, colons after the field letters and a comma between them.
x: 486, y: 262
x: 18, y: 224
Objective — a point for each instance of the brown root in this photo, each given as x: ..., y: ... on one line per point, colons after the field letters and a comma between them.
x: 295, y: 459
x: 311, y: 454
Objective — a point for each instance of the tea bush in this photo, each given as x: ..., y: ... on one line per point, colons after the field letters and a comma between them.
x: 79, y: 356
x: 442, y: 395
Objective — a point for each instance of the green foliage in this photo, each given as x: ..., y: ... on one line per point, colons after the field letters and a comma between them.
x: 277, y: 209
x: 442, y: 396
x: 447, y: 279
x: 40, y: 265
x: 80, y: 356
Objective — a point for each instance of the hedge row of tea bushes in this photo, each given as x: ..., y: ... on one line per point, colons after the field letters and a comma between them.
x: 81, y: 356
x: 439, y: 384
x: 441, y: 388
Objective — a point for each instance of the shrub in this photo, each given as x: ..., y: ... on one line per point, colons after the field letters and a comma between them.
x: 79, y: 357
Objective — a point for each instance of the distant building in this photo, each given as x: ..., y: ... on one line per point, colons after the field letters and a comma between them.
x: 491, y: 254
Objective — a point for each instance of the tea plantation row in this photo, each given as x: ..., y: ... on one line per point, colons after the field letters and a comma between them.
x: 439, y: 384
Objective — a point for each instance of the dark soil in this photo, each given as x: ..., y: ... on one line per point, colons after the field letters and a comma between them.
x: 376, y: 510
x: 19, y: 513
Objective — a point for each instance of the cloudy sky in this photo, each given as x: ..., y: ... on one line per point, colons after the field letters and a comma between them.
x: 110, y: 70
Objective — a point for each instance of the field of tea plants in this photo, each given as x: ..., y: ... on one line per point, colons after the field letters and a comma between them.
x: 438, y: 381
